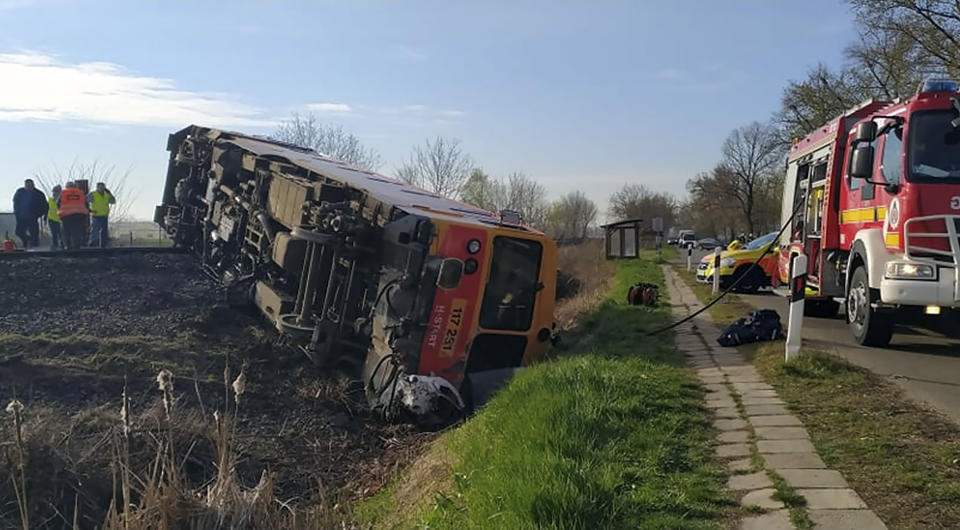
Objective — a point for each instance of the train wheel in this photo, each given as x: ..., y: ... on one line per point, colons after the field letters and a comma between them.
x: 869, y: 326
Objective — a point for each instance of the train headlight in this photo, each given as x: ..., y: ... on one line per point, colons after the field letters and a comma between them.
x: 470, y: 266
x: 900, y: 270
x: 473, y: 246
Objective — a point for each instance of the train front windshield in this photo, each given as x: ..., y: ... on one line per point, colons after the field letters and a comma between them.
x: 511, y: 291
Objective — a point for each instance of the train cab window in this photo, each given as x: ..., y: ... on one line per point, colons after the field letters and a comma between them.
x: 891, y: 165
x: 511, y: 290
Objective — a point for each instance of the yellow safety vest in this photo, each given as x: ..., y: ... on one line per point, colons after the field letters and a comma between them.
x: 52, y: 210
x: 100, y: 206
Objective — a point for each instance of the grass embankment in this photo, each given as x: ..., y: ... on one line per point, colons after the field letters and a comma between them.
x: 903, y: 459
x: 610, y: 437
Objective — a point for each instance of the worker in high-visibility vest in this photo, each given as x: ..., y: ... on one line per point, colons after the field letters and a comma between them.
x: 99, y: 201
x: 72, y: 209
x: 53, y: 219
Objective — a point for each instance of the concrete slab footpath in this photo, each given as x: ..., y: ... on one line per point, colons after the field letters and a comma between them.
x: 757, y: 437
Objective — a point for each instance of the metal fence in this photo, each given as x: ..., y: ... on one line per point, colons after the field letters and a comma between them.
x: 121, y: 235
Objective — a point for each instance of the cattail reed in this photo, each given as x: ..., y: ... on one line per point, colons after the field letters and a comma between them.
x: 16, y: 409
x: 165, y: 383
x: 240, y: 385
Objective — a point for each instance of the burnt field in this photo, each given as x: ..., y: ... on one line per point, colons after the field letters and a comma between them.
x: 75, y: 331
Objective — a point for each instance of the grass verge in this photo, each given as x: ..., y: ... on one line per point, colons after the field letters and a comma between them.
x: 611, y: 435
x: 903, y: 459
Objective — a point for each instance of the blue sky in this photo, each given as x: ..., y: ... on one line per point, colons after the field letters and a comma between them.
x: 579, y: 95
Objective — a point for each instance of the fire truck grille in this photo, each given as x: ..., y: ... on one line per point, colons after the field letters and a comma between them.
x: 934, y: 238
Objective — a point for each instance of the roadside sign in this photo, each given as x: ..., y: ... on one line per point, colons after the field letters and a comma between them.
x: 798, y: 287
x: 657, y: 224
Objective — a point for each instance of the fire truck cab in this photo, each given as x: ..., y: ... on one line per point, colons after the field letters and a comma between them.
x: 876, y: 193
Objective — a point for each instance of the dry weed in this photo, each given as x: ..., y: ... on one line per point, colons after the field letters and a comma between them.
x: 587, y: 272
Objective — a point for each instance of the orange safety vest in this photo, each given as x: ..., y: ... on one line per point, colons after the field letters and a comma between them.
x: 72, y: 202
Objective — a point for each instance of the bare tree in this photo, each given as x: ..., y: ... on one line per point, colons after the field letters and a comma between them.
x: 900, y: 43
x: 93, y: 172
x: 408, y: 172
x: 933, y: 25
x: 887, y: 64
x: 814, y: 101
x: 527, y: 196
x: 635, y: 201
x: 483, y: 191
x: 306, y: 130
x: 570, y: 217
x: 440, y: 166
x: 751, y: 156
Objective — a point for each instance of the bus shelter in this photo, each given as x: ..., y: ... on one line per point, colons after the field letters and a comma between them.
x: 622, y: 238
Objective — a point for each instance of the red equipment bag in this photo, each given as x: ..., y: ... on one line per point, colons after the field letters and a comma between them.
x: 647, y: 294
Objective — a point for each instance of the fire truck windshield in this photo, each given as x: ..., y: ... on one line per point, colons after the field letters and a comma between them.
x: 934, y: 147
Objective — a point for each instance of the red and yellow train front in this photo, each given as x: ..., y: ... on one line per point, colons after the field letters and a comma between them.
x: 499, y: 316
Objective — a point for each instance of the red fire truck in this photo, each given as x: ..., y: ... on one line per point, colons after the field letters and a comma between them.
x: 877, y: 196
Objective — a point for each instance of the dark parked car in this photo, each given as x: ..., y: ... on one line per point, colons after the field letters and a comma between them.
x: 708, y: 243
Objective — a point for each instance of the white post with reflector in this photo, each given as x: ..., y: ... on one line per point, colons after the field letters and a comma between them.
x: 716, y: 270
x: 798, y: 287
x: 689, y: 259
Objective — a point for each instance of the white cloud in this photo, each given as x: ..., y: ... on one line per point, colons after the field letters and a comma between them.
x: 37, y: 86
x: 329, y: 107
x: 14, y: 4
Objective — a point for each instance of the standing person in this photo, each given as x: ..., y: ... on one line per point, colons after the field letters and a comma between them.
x: 29, y: 205
x: 99, y: 201
x: 72, y: 209
x: 53, y: 219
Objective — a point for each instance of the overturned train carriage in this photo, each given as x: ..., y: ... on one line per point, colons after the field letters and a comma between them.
x: 434, y: 302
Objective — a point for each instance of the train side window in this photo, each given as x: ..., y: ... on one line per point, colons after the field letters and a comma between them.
x: 891, y: 165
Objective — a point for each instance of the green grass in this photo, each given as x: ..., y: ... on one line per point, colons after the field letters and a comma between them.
x: 610, y: 435
x: 903, y: 459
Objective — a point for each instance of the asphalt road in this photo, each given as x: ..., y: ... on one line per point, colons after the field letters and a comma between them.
x: 922, y: 360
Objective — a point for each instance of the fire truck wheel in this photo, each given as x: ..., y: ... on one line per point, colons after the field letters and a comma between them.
x: 870, y: 327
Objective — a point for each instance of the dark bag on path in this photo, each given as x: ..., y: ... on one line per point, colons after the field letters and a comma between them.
x: 759, y: 326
